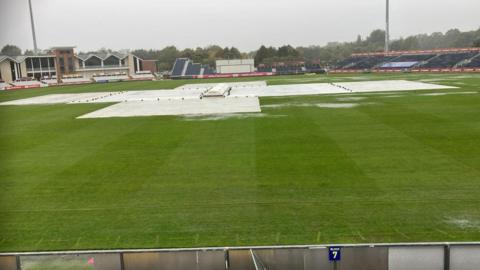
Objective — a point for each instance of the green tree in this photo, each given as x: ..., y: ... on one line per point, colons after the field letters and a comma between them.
x: 265, y: 53
x: 167, y: 56
x: 187, y: 53
x: 476, y: 43
x: 231, y: 53
x: 29, y: 52
x: 213, y: 52
x: 260, y: 54
x: 11, y: 50
x: 201, y: 55
x: 287, y: 51
x: 376, y: 41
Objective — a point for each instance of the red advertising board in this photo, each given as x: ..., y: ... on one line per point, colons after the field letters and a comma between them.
x: 12, y: 87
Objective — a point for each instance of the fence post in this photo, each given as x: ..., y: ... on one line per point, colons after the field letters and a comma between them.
x: 17, y: 258
x: 122, y: 265
x: 446, y: 257
x: 227, y: 259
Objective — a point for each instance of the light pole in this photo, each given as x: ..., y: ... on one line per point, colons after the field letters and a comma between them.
x: 35, y: 48
x: 387, y: 29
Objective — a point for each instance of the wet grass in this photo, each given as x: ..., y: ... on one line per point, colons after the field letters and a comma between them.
x: 395, y: 168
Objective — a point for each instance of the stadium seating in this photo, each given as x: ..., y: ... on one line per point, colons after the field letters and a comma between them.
x: 185, y: 68
x: 207, y: 71
x: 351, y: 61
x: 314, y: 68
x: 287, y: 70
x: 371, y: 62
x: 264, y: 69
x: 413, y: 57
x: 178, y: 67
x: 420, y: 61
x: 406, y: 61
x: 193, y: 69
x: 448, y: 60
x: 473, y: 63
x: 399, y: 65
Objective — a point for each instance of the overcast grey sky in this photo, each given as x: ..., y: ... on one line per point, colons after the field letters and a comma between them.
x: 246, y: 24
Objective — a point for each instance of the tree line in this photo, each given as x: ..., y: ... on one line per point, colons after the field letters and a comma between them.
x: 329, y: 54
x: 207, y: 56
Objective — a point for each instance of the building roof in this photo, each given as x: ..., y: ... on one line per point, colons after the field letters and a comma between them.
x: 5, y: 57
x: 101, y: 55
x: 63, y: 47
x: 82, y: 56
x: 17, y: 59
x: 21, y: 58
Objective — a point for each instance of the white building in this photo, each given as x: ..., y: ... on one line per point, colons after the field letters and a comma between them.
x: 61, y: 63
x: 235, y: 66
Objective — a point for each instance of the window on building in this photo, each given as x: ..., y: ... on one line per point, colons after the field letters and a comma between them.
x: 70, y: 64
x: 36, y: 63
x: 93, y: 61
x: 111, y: 61
x: 44, y: 62
x: 137, y: 65
x: 61, y: 62
x: 52, y: 62
x: 28, y: 63
x: 12, y: 69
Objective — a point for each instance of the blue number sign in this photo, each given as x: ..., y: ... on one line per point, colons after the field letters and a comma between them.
x: 334, y: 254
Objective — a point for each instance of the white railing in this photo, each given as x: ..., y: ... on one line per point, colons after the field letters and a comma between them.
x: 42, y: 70
x: 109, y: 67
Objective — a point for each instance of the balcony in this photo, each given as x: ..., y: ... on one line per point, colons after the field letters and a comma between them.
x: 43, y: 70
x: 99, y: 68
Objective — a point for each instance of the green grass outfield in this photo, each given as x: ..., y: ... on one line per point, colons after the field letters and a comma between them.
x: 397, y: 168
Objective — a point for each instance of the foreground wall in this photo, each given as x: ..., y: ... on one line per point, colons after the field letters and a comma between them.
x: 458, y: 256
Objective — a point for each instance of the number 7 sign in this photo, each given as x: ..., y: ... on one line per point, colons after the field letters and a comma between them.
x: 334, y: 254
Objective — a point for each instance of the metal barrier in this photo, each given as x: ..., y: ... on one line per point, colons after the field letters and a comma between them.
x: 415, y: 256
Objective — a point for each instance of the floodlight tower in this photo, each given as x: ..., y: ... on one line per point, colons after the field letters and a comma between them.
x: 35, y: 48
x: 387, y: 28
